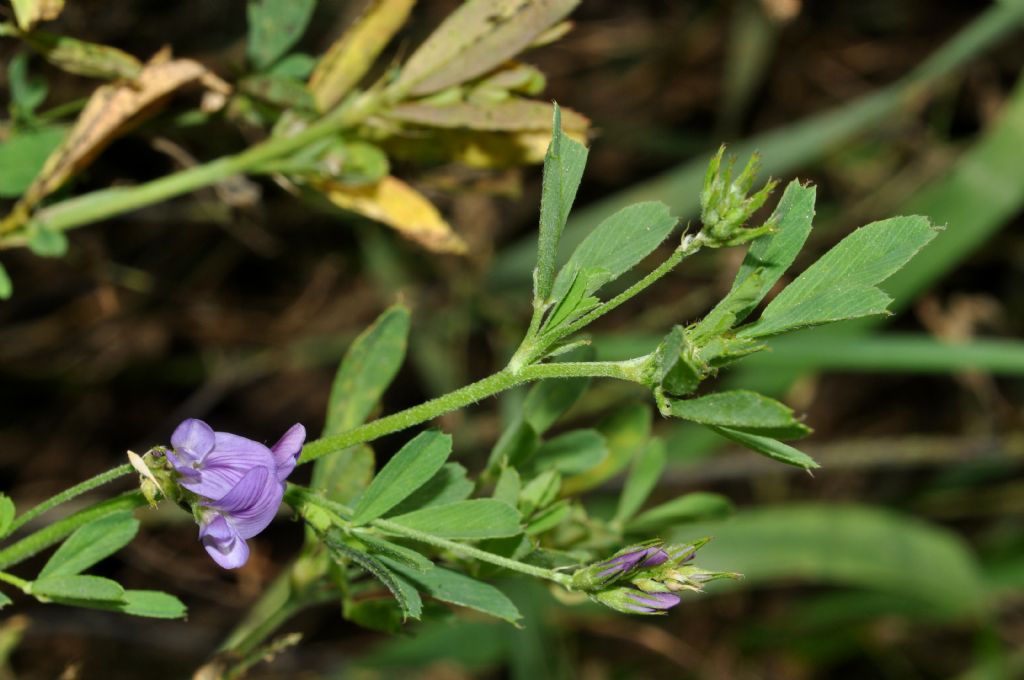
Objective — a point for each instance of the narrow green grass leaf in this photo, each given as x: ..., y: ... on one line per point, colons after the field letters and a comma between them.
x: 77, y: 589
x: 90, y: 544
x: 643, y: 477
x: 741, y: 410
x: 473, y: 519
x: 618, y: 244
x: 841, y: 284
x: 848, y: 545
x: 459, y: 589
x: 773, y: 448
x: 5, y: 600
x: 563, y: 169
x: 408, y: 470
x: 274, y: 27
x: 692, y: 507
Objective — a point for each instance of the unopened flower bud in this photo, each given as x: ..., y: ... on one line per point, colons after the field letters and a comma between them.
x: 632, y: 601
x: 725, y: 205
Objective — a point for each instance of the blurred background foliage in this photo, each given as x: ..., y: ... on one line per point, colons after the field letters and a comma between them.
x: 903, y: 557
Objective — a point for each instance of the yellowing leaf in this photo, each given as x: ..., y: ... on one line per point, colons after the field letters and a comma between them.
x: 396, y: 204
x: 352, y: 55
x: 83, y: 58
x: 111, y: 109
x: 475, y: 149
x: 30, y: 12
x: 511, y: 114
x: 477, y: 37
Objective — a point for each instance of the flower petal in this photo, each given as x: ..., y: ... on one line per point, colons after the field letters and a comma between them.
x: 253, y: 503
x: 232, y: 457
x: 286, y: 450
x: 223, y: 543
x: 192, y: 440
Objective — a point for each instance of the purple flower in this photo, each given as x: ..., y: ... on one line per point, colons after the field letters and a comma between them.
x: 624, y: 564
x: 240, y: 483
x: 629, y: 600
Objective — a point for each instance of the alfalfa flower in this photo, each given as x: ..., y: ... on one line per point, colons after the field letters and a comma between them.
x: 238, y: 484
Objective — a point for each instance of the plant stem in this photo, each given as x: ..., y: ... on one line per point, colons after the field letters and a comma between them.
x: 54, y: 533
x: 471, y: 552
x: 297, y: 496
x: 98, y: 205
x: 68, y: 494
x: 19, y: 583
x: 464, y: 396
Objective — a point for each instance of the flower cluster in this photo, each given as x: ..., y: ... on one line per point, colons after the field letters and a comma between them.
x: 643, y: 578
x: 725, y: 206
x: 238, y: 484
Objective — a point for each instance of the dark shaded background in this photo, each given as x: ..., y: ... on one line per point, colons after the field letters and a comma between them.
x: 238, y: 315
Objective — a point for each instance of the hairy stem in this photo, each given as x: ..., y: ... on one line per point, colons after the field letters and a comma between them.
x: 68, y: 494
x: 469, y: 394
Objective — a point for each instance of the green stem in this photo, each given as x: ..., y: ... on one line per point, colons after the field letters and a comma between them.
x: 469, y: 394
x: 298, y: 496
x: 98, y: 205
x: 689, y: 246
x: 471, y: 552
x: 18, y: 583
x: 68, y: 494
x: 56, y: 532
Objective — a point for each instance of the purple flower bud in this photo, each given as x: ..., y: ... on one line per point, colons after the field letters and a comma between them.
x: 239, y: 482
x: 632, y: 601
x: 622, y: 565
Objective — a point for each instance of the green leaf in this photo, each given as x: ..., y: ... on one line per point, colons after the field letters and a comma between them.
x: 477, y: 37
x: 46, y: 242
x: 90, y: 544
x: 75, y: 588
x: 849, y: 545
x: 548, y: 400
x: 625, y: 432
x: 577, y: 300
x: 274, y: 27
x: 563, y: 169
x: 740, y: 410
x: 369, y: 366
x: 841, y: 285
x: 508, y: 486
x: 6, y: 287
x: 408, y: 599
x: 5, y: 600
x: 459, y: 589
x: 539, y: 492
x: 396, y: 552
x: 549, y: 517
x: 27, y: 93
x: 449, y: 485
x: 569, y: 453
x: 643, y: 477
x: 784, y: 453
x: 407, y: 471
x: 515, y: 445
x: 153, y: 604
x: 618, y: 244
x: 473, y: 519
x: 343, y: 475
x: 22, y: 157
x: 7, y: 512
x: 773, y: 254
x: 689, y: 508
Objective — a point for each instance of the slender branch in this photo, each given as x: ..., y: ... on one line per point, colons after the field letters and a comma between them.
x: 56, y: 532
x: 469, y: 394
x: 18, y: 583
x: 471, y: 552
x: 98, y: 205
x: 68, y: 494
